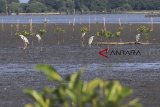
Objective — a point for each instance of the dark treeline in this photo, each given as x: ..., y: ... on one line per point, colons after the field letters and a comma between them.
x: 71, y: 6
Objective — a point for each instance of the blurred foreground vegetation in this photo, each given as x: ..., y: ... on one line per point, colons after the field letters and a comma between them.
x: 74, y: 92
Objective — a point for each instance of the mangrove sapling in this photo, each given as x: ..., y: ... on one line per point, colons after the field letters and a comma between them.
x: 102, y: 33
x: 84, y: 30
x: 17, y: 26
x: 59, y: 30
x: 118, y: 33
x: 143, y: 30
x: 45, y: 24
x: 73, y: 91
x: 108, y: 35
x: 120, y: 28
x: 40, y: 34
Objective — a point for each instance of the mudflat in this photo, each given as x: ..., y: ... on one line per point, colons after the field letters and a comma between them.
x: 139, y: 72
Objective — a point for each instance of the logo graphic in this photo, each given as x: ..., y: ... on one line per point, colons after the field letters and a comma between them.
x: 115, y: 52
x: 104, y: 52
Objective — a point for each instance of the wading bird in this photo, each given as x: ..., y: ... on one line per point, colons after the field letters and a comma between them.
x: 90, y: 40
x: 138, y: 38
x: 25, y: 41
x: 83, y: 34
x: 39, y: 37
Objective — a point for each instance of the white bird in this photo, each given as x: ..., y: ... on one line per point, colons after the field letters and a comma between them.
x: 90, y: 40
x: 83, y: 34
x: 39, y: 37
x: 138, y: 37
x: 25, y: 40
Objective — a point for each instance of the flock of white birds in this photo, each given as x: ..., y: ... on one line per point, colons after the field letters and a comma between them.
x: 90, y: 41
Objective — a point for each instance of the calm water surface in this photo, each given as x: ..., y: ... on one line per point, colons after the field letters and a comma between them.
x: 108, y: 18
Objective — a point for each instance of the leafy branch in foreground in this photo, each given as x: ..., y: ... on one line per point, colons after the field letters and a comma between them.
x: 74, y: 92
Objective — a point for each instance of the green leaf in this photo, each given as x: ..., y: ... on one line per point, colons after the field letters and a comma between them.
x: 36, y: 96
x: 28, y: 105
x: 49, y: 71
x: 71, y: 95
x: 74, y: 80
x: 118, y: 34
x: 84, y: 30
x: 92, y: 85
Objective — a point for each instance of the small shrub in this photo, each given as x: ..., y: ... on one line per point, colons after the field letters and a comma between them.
x: 144, y: 30
x: 84, y: 30
x: 42, y: 31
x: 118, y: 34
x: 60, y: 30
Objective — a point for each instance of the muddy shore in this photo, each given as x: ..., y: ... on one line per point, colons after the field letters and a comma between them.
x: 138, y: 72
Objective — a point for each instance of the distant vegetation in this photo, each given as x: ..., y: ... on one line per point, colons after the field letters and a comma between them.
x: 71, y: 6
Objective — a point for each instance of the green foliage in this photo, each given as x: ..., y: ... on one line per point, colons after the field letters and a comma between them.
x: 36, y: 7
x: 118, y: 34
x: 84, y: 30
x: 2, y: 6
x: 144, y: 30
x: 68, y: 6
x: 49, y: 71
x: 104, y: 33
x: 42, y: 31
x: 24, y: 32
x: 15, y: 7
x: 60, y: 30
x: 120, y: 28
x: 74, y: 92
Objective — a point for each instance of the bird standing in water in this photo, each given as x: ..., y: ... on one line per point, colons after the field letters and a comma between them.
x: 138, y: 37
x: 83, y: 34
x: 39, y: 37
x: 90, y: 40
x: 25, y: 41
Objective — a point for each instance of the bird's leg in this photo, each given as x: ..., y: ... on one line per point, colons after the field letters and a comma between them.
x: 25, y: 45
x: 82, y: 41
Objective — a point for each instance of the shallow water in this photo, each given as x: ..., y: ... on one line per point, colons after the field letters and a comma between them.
x: 109, y: 18
x: 68, y: 59
x: 13, y: 69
